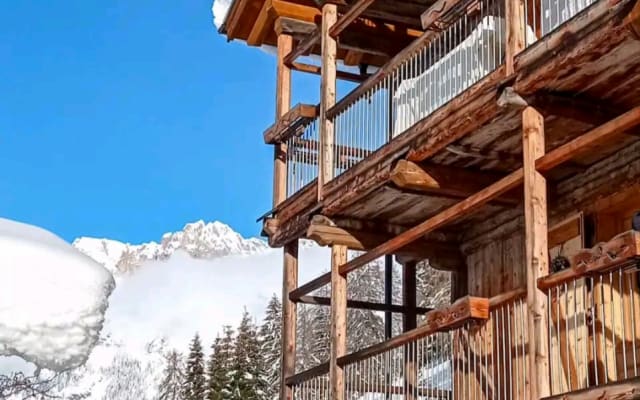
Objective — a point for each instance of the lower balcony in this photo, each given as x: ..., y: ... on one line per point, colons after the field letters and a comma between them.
x: 480, y: 348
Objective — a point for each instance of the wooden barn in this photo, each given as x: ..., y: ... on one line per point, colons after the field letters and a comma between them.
x: 495, y: 139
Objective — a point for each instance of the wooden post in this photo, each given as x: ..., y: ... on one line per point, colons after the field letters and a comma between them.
x: 515, y: 35
x: 289, y: 314
x: 388, y: 295
x: 338, y: 322
x: 327, y: 95
x: 283, y: 103
x: 409, y: 322
x: 409, y: 295
x: 537, y: 252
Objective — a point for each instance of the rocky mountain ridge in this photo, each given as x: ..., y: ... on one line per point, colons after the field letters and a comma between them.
x: 198, y: 239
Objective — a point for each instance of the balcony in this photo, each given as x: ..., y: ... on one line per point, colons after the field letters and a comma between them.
x: 479, y: 348
x: 439, y: 101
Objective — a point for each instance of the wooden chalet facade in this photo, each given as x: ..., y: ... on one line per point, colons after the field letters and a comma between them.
x: 497, y: 139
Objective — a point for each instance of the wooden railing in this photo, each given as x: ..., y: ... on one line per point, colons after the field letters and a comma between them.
x: 594, y: 316
x: 473, y: 349
x: 458, y: 49
x: 312, y: 384
x: 541, y: 17
x: 433, y: 70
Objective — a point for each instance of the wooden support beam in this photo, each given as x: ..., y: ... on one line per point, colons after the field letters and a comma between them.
x: 338, y: 322
x: 442, y: 255
x: 298, y: 11
x: 537, y: 252
x: 303, y: 47
x: 354, y: 12
x: 623, y: 390
x: 262, y: 24
x: 314, y: 69
x: 286, y: 124
x: 577, y: 108
x: 283, y: 103
x: 289, y: 316
x: 585, y: 143
x: 365, y: 305
x: 327, y: 97
x: 443, y: 180
x: 299, y: 30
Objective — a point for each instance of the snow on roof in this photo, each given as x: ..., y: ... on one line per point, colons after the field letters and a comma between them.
x: 220, y: 9
x: 52, y: 298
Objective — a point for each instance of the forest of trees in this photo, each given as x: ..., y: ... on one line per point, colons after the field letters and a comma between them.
x: 243, y: 363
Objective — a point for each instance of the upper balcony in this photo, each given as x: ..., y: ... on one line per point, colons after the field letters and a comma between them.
x: 447, y: 108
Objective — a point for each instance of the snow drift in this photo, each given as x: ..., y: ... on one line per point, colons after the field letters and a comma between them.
x: 52, y: 298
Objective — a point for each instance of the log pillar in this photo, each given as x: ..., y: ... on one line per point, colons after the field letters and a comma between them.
x: 537, y: 252
x: 409, y: 322
x: 409, y: 319
x: 283, y: 104
x: 338, y: 322
x: 327, y: 96
x: 289, y: 315
x: 515, y: 32
x: 388, y: 296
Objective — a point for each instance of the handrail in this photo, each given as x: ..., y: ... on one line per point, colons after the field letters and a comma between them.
x: 463, y: 310
x: 622, y: 249
x: 314, y: 372
x: 506, y: 297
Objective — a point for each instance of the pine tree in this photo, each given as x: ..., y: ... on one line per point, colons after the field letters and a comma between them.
x: 270, y: 343
x: 194, y: 383
x: 171, y: 385
x: 247, y: 365
x: 219, y: 385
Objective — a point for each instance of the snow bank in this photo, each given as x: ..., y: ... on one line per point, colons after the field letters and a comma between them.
x: 52, y: 298
x: 177, y: 297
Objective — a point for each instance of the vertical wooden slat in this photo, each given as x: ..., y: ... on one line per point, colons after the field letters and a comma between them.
x: 283, y: 103
x: 514, y: 16
x: 290, y: 282
x: 327, y: 95
x: 338, y: 321
x: 536, y: 249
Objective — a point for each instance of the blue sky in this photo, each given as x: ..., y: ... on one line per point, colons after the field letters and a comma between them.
x: 126, y: 119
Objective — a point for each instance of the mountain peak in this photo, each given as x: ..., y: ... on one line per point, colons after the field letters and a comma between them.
x: 199, y: 239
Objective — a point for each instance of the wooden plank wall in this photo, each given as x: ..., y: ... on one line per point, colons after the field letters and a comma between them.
x: 607, y: 193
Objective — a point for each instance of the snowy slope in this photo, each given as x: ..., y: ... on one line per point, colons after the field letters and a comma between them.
x: 197, y: 279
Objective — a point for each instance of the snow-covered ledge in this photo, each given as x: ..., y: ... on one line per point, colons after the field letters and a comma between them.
x: 52, y: 298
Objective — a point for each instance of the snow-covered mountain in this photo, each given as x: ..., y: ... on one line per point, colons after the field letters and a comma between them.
x: 198, y: 239
x: 200, y: 279
x: 195, y: 280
